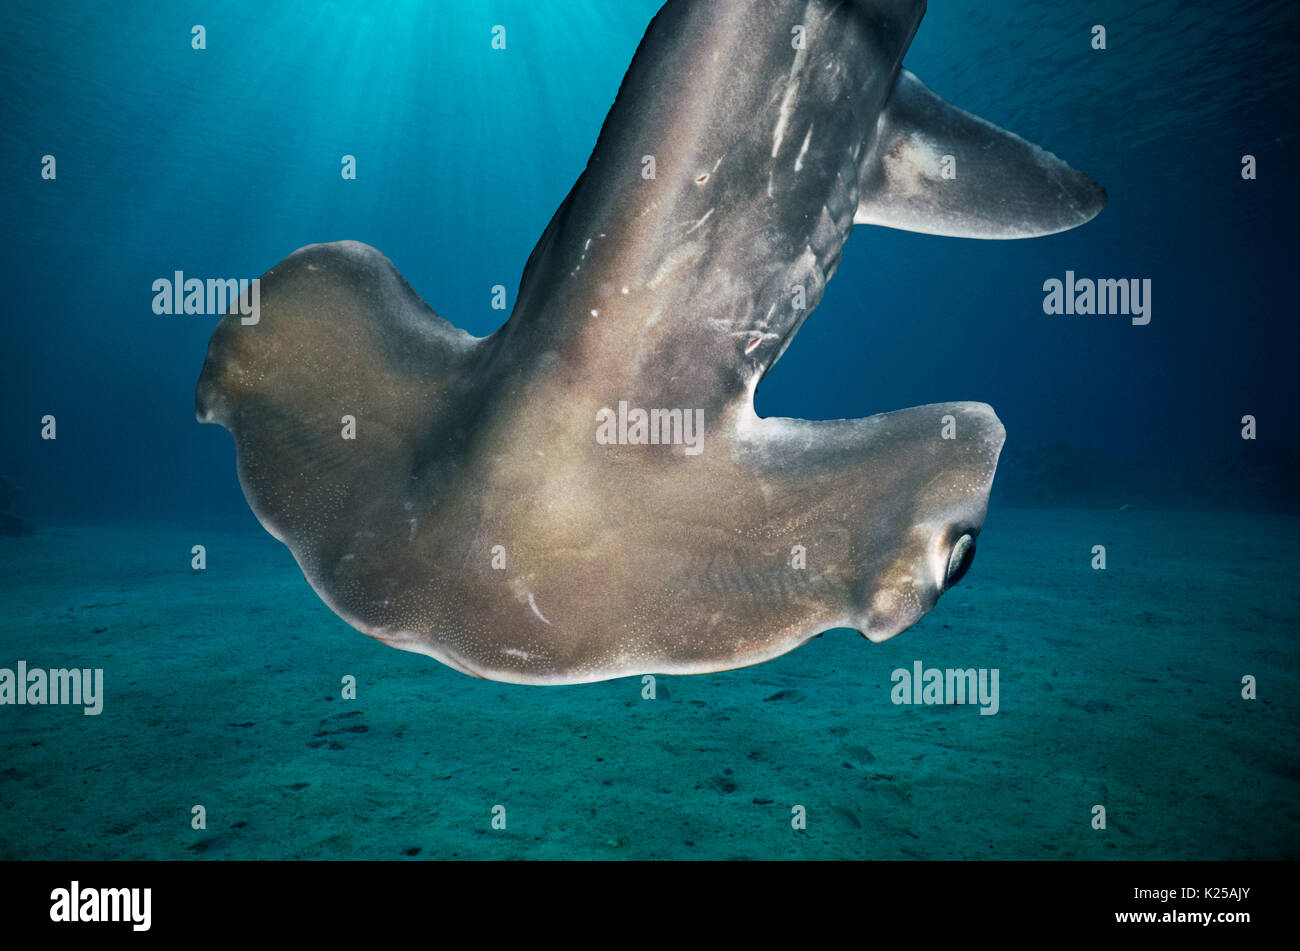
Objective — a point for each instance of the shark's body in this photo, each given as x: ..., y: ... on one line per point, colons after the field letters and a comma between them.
x: 478, y: 518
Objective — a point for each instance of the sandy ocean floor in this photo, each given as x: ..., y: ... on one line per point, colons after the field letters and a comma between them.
x: 1119, y: 687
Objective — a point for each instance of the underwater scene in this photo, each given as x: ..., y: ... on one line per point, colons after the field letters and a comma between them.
x: 524, y: 527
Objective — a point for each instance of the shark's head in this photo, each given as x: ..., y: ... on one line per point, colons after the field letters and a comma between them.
x: 943, y: 458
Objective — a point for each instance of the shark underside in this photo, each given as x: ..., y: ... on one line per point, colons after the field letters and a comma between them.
x: 587, y: 493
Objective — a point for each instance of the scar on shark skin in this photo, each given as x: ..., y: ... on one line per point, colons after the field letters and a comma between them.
x: 674, y: 291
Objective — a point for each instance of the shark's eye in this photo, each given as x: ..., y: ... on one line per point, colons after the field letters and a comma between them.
x: 963, y: 553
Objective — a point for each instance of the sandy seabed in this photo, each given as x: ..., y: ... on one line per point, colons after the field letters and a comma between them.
x: 1120, y: 687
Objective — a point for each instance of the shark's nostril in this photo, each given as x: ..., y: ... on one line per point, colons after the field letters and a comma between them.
x: 963, y: 553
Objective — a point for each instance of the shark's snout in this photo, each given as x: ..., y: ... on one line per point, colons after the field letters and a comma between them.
x: 939, y: 557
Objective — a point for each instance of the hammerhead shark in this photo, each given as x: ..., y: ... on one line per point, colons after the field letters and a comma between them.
x: 588, y: 493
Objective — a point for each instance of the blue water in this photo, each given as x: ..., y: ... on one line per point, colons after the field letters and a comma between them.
x: 223, y: 161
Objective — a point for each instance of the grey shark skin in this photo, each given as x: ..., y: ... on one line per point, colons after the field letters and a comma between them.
x: 476, y: 518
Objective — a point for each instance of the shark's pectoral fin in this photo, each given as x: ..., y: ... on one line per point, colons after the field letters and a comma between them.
x: 937, y: 169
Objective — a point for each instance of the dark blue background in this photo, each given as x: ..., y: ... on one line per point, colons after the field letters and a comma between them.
x: 222, y: 162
